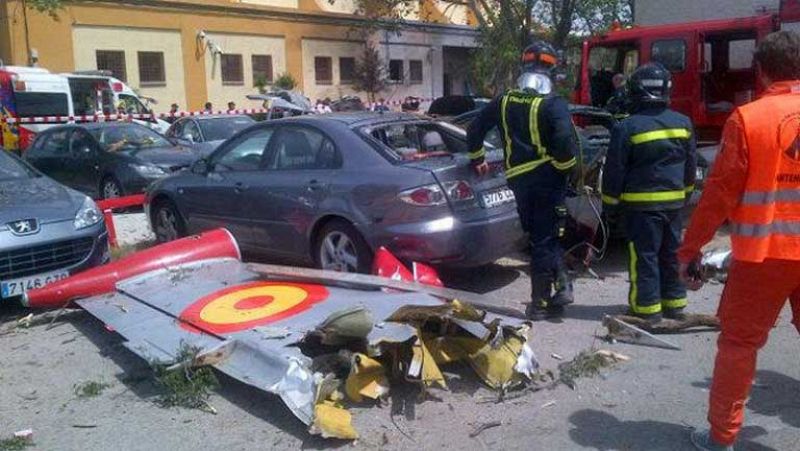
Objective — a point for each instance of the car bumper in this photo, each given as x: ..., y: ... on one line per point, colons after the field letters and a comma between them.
x: 451, y: 242
x: 92, y: 242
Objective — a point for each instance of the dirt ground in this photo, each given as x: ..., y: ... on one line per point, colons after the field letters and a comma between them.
x: 647, y: 403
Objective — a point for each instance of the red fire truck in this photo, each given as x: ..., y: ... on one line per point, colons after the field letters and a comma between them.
x: 711, y: 63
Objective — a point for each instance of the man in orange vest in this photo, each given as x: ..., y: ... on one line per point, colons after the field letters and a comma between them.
x: 755, y: 184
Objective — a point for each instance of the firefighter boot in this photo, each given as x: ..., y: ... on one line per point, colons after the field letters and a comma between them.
x: 541, y: 287
x: 563, y: 285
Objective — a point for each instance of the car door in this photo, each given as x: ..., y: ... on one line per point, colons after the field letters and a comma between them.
x: 283, y: 202
x: 84, y: 162
x: 215, y: 199
x: 49, y: 153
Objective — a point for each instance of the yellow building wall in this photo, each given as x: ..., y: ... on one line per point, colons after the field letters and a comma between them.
x: 220, y: 93
x: 278, y: 3
x: 88, y: 39
x: 333, y: 49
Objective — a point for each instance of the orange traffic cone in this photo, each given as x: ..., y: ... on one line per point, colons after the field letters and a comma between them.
x: 216, y: 243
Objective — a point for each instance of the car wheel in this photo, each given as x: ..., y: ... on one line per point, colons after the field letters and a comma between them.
x: 339, y: 247
x: 110, y: 188
x: 167, y: 222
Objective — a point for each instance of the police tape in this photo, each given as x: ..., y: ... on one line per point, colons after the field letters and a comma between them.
x: 176, y: 115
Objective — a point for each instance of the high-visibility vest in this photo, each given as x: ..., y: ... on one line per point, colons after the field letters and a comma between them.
x: 766, y: 223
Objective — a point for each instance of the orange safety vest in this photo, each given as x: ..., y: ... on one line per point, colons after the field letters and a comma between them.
x: 766, y: 223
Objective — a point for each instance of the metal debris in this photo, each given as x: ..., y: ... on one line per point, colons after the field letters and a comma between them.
x: 482, y: 427
x: 622, y: 331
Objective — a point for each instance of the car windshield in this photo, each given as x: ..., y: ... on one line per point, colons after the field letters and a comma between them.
x: 13, y: 169
x: 411, y: 141
x: 120, y: 137
x: 223, y: 128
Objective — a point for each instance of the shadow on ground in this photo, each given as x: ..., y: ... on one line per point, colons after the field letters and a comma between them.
x: 603, y: 431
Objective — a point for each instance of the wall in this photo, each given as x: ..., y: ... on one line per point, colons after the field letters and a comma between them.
x: 334, y: 49
x: 88, y: 39
x: 246, y: 45
x: 278, y: 3
x: 655, y: 12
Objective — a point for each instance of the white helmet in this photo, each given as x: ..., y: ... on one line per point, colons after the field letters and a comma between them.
x: 533, y: 81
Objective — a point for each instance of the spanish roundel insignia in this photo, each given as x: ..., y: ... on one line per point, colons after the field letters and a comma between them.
x: 248, y: 305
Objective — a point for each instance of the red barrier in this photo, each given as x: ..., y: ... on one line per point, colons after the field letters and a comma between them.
x: 385, y: 264
x: 107, y: 206
x: 216, y: 243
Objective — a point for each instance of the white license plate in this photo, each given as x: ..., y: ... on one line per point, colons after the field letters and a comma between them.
x: 496, y: 198
x: 18, y: 287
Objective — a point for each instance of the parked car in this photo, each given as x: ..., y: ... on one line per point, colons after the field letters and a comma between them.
x: 330, y: 189
x: 107, y: 159
x: 205, y: 133
x: 47, y: 231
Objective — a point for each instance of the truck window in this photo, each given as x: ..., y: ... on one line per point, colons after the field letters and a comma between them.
x: 132, y: 104
x: 604, y: 63
x: 31, y: 104
x: 671, y: 53
x: 91, y: 96
x: 740, y: 54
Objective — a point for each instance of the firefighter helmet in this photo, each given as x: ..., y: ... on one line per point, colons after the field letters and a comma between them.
x: 651, y: 83
x: 539, y: 57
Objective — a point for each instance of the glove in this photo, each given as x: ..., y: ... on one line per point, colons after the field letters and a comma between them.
x: 691, y: 274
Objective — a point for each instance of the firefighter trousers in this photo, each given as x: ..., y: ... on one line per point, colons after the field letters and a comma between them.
x: 754, y: 296
x: 540, y: 198
x: 653, y: 241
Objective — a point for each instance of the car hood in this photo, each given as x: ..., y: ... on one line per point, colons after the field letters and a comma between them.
x: 167, y: 156
x: 38, y: 198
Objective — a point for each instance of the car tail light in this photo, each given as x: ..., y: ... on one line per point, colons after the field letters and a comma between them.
x: 458, y: 191
x: 424, y: 196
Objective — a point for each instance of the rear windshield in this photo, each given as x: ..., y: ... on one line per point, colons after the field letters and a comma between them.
x: 13, y: 169
x: 31, y: 104
x: 411, y: 141
x: 113, y: 138
x: 223, y: 128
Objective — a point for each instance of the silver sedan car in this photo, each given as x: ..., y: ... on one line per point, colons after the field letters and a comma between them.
x: 331, y: 189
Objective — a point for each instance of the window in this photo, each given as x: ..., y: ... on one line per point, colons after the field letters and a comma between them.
x: 30, y: 104
x: 740, y: 54
x: 245, y: 154
x: 415, y: 141
x: 191, y: 132
x: 415, y: 71
x: 671, y: 53
x: 396, y: 71
x: 151, y: 69
x: 53, y: 145
x: 232, y: 71
x: 303, y: 148
x: 83, y: 146
x: 113, y: 61
x: 132, y: 104
x: 631, y: 62
x: 323, y: 73
x: 347, y: 70
x: 262, y: 68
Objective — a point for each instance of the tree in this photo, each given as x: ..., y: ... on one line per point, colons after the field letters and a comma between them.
x: 50, y: 7
x: 285, y: 81
x: 370, y: 73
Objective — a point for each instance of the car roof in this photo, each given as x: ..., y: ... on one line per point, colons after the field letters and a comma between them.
x: 355, y: 119
x: 206, y: 117
x: 91, y: 125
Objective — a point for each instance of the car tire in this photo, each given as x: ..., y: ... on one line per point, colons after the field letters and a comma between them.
x: 167, y: 222
x: 340, y: 247
x: 110, y: 188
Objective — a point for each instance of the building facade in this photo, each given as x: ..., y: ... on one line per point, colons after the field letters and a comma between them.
x: 658, y: 12
x: 194, y: 51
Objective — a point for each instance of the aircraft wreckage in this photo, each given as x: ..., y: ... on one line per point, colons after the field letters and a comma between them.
x: 314, y: 338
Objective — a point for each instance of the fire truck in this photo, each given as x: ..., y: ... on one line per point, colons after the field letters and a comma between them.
x: 711, y: 63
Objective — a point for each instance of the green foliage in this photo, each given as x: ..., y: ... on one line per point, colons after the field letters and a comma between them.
x: 370, y: 73
x: 285, y: 81
x: 186, y: 386
x: 50, y: 7
x: 89, y: 389
x: 15, y: 444
x: 261, y: 84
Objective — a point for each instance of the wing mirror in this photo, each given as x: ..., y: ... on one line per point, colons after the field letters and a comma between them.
x: 201, y: 167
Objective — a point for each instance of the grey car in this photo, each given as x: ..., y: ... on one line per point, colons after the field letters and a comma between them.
x: 331, y: 189
x: 107, y: 159
x: 206, y: 133
x: 47, y: 231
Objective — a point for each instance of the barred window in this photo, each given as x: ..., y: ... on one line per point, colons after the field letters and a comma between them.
x: 262, y: 67
x: 323, y: 70
x: 151, y: 68
x: 415, y: 71
x: 347, y: 70
x: 112, y: 61
x: 232, y: 71
x: 396, y: 71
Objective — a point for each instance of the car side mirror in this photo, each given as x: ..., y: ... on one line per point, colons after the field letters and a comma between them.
x: 201, y: 167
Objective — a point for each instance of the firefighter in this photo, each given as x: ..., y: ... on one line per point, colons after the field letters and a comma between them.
x: 754, y: 185
x: 650, y: 172
x: 540, y: 147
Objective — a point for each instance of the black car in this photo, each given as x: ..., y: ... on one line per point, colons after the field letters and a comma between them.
x: 107, y: 159
x: 205, y: 133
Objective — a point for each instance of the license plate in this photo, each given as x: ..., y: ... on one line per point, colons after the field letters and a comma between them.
x: 496, y: 198
x: 18, y: 287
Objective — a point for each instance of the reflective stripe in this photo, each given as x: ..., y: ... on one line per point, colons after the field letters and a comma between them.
x: 480, y: 153
x: 658, y: 196
x: 565, y: 165
x: 525, y: 167
x: 674, y: 303
x: 670, y: 133
x: 504, y: 123
x: 634, y: 290
x: 762, y: 230
x: 689, y: 189
x: 610, y: 200
x: 534, y: 127
x: 769, y: 197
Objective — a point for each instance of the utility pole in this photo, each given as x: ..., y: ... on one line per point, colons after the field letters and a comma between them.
x: 27, y: 35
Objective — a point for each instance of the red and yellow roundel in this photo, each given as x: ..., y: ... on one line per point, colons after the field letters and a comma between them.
x: 252, y: 304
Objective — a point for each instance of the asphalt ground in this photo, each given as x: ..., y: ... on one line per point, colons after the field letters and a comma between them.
x: 647, y: 403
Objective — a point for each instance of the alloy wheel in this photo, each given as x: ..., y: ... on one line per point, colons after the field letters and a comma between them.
x: 338, y: 253
x: 111, y: 190
x: 166, y: 225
